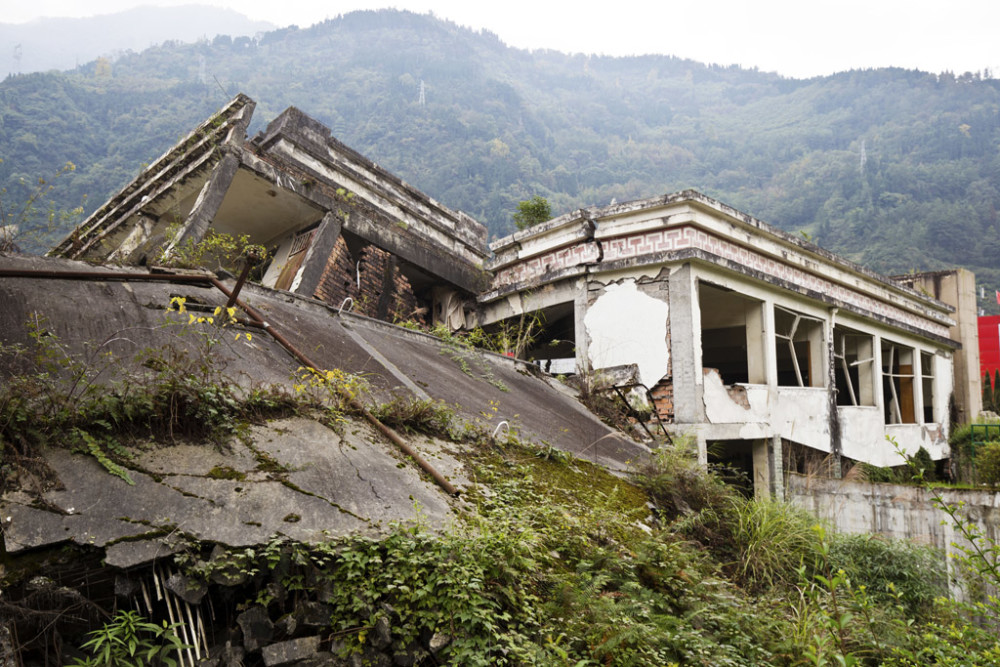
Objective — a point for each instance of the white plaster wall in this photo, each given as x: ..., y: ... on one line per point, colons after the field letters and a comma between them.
x: 802, y: 414
x: 862, y: 435
x: 626, y: 326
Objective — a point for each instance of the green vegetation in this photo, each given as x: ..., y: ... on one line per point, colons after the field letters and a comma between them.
x: 532, y: 212
x: 215, y: 250
x: 552, y: 560
x: 556, y: 562
x: 128, y: 640
x: 894, y: 168
x: 104, y: 406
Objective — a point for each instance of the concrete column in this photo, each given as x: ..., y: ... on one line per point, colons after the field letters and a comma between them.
x: 208, y: 202
x: 821, y: 356
x: 830, y: 374
x: 580, y: 328
x: 776, y: 460
x: 918, y: 388
x: 770, y: 346
x: 879, y: 380
x: 761, y: 468
x: 866, y: 372
x: 685, y: 347
x: 319, y: 252
x: 756, y: 343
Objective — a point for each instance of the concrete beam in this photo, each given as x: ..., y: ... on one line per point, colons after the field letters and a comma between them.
x: 319, y: 252
x: 208, y: 202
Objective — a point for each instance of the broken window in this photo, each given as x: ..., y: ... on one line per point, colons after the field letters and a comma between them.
x: 799, y: 349
x: 854, y: 364
x: 927, y: 372
x: 731, y: 335
x: 296, y: 254
x: 897, y: 376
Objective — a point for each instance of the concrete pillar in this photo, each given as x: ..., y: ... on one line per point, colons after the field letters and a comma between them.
x: 867, y: 373
x: 685, y: 347
x: 756, y: 343
x: 829, y: 374
x: 770, y: 346
x: 314, y: 264
x: 820, y: 356
x: 580, y: 328
x: 761, y: 468
x: 768, y: 475
x: 776, y: 460
x: 208, y: 202
x: 918, y: 388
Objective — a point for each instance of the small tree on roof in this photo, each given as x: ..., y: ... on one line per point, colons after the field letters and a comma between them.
x: 531, y: 212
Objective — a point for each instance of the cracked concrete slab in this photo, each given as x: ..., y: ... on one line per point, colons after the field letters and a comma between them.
x: 333, y: 484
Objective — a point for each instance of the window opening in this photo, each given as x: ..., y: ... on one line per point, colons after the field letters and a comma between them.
x: 927, y: 372
x: 731, y: 335
x: 854, y: 361
x: 897, y: 374
x: 798, y: 351
x: 296, y: 254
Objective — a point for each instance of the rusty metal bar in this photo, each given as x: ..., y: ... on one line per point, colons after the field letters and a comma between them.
x: 257, y: 319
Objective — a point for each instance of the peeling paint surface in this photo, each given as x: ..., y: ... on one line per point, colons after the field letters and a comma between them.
x: 626, y: 326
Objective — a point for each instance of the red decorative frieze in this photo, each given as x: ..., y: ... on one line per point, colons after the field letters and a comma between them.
x: 679, y: 238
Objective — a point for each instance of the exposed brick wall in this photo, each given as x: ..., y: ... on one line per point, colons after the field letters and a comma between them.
x: 384, y: 292
x: 663, y: 399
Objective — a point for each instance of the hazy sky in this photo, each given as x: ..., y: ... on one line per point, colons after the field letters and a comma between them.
x: 797, y: 38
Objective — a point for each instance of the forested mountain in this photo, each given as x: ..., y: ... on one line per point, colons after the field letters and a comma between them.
x: 895, y: 169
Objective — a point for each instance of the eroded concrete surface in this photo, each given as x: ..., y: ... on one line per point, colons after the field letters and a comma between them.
x: 297, y: 478
x: 326, y: 481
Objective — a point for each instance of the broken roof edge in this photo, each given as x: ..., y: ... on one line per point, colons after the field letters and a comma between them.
x: 293, y: 123
x: 507, y: 250
x: 236, y: 114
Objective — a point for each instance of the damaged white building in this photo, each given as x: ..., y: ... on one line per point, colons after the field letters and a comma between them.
x: 769, y: 349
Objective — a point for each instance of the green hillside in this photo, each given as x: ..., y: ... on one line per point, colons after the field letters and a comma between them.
x: 895, y: 169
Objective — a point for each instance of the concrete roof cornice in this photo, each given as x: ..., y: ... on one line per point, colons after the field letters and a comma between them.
x: 694, y: 208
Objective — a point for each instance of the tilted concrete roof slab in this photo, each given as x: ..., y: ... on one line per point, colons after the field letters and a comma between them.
x: 342, y: 482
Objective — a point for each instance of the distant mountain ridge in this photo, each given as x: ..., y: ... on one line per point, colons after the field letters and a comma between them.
x: 896, y: 169
x: 66, y: 43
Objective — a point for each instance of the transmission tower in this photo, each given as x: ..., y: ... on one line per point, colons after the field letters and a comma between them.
x: 423, y: 97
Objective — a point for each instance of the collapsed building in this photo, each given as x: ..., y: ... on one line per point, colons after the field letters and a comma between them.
x: 336, y: 224
x: 768, y: 349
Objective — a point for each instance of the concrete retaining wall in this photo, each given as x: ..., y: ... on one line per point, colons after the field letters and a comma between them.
x: 894, y: 510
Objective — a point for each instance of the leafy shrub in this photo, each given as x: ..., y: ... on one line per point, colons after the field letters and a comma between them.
x: 988, y: 463
x: 216, y: 250
x: 924, y: 466
x: 695, y: 502
x: 892, y: 571
x: 129, y: 640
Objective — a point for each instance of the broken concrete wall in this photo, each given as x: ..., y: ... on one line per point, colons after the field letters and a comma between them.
x: 624, y: 325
